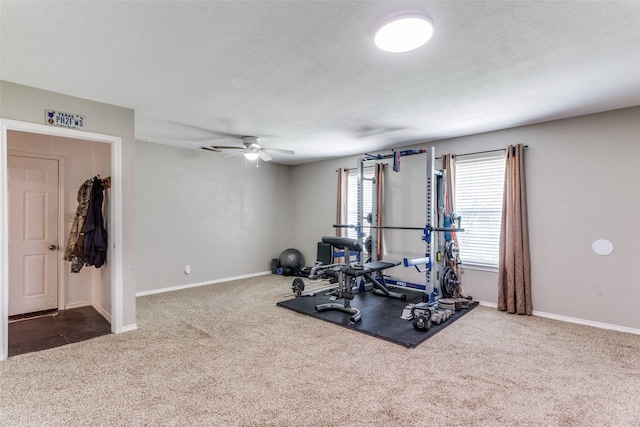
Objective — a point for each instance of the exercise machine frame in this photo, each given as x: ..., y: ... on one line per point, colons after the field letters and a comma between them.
x: 431, y: 290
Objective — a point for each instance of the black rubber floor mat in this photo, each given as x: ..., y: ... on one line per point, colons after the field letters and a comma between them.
x: 380, y: 316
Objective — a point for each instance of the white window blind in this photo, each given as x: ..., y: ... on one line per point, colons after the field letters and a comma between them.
x: 352, y: 200
x: 479, y: 186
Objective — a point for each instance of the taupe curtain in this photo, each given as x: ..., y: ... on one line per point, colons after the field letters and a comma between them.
x: 449, y: 165
x: 379, y: 176
x: 514, y: 280
x: 342, y: 204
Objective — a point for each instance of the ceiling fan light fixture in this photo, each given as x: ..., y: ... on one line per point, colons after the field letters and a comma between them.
x: 251, y: 155
x: 404, y: 33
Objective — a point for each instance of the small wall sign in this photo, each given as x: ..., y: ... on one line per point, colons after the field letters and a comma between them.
x: 65, y: 120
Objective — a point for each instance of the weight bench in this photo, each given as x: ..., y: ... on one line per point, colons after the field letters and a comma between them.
x: 347, y: 275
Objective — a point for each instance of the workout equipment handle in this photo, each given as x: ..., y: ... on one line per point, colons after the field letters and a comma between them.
x: 416, y: 262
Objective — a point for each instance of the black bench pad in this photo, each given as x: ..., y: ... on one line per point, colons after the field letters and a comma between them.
x: 381, y: 265
x: 343, y: 243
x: 357, y: 272
x: 370, y: 267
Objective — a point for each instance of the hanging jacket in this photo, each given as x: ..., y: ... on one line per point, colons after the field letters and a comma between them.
x: 95, y: 235
x: 84, y: 194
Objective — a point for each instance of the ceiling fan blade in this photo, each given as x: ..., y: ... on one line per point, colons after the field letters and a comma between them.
x: 203, y: 129
x: 211, y: 149
x: 280, y: 151
x: 183, y: 130
x: 264, y: 156
x: 233, y: 154
x: 227, y: 147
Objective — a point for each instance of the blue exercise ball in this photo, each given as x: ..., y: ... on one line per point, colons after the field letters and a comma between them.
x: 291, y: 260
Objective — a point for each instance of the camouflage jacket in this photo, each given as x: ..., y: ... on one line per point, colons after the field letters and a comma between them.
x: 84, y: 195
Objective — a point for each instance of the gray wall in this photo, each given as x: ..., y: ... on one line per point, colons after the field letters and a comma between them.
x: 28, y: 104
x: 228, y: 220
x: 223, y: 218
x: 582, y: 183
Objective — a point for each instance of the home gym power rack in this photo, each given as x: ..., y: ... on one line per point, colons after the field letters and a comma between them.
x: 431, y: 289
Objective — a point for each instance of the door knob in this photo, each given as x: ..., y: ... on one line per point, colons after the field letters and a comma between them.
x: 52, y: 247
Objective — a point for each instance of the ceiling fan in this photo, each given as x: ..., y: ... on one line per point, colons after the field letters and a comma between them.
x: 252, y: 149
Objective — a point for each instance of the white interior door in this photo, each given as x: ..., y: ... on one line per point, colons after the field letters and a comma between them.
x: 33, y: 234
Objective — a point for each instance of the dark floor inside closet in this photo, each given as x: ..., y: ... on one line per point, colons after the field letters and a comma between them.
x: 42, y: 331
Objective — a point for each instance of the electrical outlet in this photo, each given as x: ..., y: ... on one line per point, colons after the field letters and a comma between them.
x: 187, y: 269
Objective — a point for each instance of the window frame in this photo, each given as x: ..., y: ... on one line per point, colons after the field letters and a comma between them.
x: 352, y: 201
x: 479, y: 189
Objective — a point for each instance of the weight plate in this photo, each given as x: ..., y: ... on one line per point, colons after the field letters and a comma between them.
x: 298, y: 283
x: 451, y: 251
x: 448, y: 282
x: 297, y: 286
x: 421, y: 323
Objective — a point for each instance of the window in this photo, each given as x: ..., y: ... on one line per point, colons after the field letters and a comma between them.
x: 352, y: 200
x: 479, y: 185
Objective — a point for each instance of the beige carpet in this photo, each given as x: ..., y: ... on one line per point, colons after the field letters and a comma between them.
x: 225, y: 355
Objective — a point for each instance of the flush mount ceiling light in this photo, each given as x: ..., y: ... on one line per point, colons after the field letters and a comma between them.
x: 404, y: 32
x: 251, y: 155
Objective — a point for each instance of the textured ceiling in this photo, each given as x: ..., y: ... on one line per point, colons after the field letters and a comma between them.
x: 305, y: 76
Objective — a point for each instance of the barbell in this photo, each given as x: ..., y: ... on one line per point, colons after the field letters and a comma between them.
x: 388, y: 227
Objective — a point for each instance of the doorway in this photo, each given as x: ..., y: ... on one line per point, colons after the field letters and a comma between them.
x: 33, y: 234
x: 114, y: 223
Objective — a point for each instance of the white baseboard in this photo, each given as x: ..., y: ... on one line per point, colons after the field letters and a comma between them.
x: 574, y: 320
x: 77, y: 305
x: 587, y: 322
x: 488, y: 304
x: 102, y: 312
x: 194, y: 285
x: 129, y: 328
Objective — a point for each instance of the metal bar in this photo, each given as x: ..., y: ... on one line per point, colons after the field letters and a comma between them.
x: 373, y: 254
x: 366, y: 166
x: 430, y: 219
x: 360, y: 204
x: 458, y: 155
x: 388, y: 227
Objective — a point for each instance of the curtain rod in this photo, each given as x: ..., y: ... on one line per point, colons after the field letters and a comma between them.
x: 455, y: 155
x: 479, y: 152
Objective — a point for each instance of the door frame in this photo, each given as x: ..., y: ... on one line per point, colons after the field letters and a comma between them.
x: 61, y: 217
x: 115, y: 221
